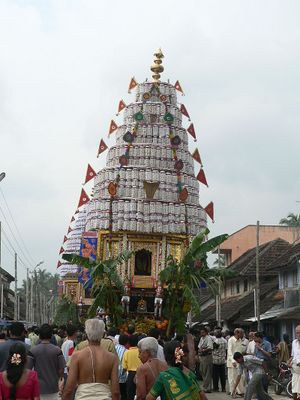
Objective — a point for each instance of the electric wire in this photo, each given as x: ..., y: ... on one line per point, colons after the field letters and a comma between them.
x: 24, y: 265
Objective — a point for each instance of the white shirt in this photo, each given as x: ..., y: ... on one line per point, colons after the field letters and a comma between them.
x: 160, y: 353
x: 251, y: 347
x: 296, y: 351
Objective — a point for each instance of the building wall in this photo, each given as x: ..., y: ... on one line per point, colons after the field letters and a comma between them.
x: 245, y: 239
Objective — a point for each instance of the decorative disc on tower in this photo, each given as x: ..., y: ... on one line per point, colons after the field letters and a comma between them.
x: 156, y: 67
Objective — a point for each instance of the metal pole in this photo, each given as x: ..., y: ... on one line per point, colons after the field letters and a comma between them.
x: 257, y: 278
x: 16, y: 288
x: 218, y: 297
x: 31, y: 299
x: 1, y: 280
x: 2, y: 300
x: 27, y: 296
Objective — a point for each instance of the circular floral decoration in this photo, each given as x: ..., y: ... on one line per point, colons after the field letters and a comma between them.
x: 112, y: 188
x: 139, y: 116
x: 183, y: 195
x: 123, y: 160
x: 146, y: 96
x: 168, y: 117
x: 163, y: 98
x: 175, y: 141
x: 178, y: 165
x: 128, y: 137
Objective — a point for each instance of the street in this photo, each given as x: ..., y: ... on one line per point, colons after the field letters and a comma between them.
x: 224, y: 396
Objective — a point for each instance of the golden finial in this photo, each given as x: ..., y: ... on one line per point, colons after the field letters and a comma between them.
x: 157, y: 68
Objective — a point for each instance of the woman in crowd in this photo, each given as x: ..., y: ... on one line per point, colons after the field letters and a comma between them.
x: 92, y: 368
x: 151, y: 366
x: 177, y: 381
x: 17, y: 382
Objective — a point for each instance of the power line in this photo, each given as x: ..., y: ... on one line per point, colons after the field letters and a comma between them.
x: 24, y: 265
x: 16, y: 227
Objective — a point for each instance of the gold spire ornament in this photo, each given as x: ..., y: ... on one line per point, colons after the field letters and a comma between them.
x: 156, y: 67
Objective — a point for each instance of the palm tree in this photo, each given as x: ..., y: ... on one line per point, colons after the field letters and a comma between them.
x: 182, y: 279
x: 291, y: 220
x: 66, y: 311
x: 107, y: 284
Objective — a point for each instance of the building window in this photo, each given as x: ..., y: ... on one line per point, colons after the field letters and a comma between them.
x: 295, y: 278
x: 285, y: 280
x: 232, y: 288
x: 238, y: 286
x: 142, y: 265
x: 245, y: 285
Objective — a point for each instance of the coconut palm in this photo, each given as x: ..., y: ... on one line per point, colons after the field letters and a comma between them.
x: 181, y: 280
x: 107, y: 286
x: 291, y: 220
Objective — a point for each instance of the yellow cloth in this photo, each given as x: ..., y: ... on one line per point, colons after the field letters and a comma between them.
x: 90, y: 391
x: 131, y: 360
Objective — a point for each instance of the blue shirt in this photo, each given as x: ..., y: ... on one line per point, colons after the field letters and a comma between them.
x: 267, y: 347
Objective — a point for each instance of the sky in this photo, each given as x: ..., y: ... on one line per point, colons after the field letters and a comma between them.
x: 65, y: 64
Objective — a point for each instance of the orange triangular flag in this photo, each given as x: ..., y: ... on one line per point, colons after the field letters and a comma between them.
x: 65, y: 239
x: 183, y: 111
x: 201, y: 177
x: 102, y: 147
x: 132, y: 84
x: 84, y: 198
x: 61, y: 250
x: 210, y: 210
x: 69, y: 230
x: 59, y: 264
x: 178, y: 87
x: 113, y: 126
x: 191, y: 131
x: 90, y: 174
x: 196, y: 156
x: 121, y: 107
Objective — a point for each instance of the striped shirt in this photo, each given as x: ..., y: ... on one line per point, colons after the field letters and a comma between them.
x: 120, y: 349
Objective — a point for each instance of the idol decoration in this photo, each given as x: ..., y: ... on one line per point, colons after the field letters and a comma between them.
x: 158, y: 301
x: 125, y: 300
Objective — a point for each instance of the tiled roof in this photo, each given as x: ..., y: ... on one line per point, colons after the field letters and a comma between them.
x: 239, y: 308
x: 291, y: 254
x: 268, y: 253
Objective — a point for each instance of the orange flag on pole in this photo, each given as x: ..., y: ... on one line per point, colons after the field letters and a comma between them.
x: 113, y: 126
x: 132, y: 84
x: 121, y: 106
x: 178, y: 87
x: 102, y: 147
x: 84, y: 198
x: 184, y: 111
x: 61, y: 250
x: 196, y: 156
x: 90, y: 174
x: 191, y: 131
x: 201, y: 177
x: 209, y: 209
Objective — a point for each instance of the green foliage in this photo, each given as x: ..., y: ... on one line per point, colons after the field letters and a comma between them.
x: 107, y: 284
x: 182, y: 278
x: 291, y: 220
x: 66, y: 311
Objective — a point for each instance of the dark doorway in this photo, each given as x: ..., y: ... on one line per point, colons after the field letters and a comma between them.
x: 142, y: 265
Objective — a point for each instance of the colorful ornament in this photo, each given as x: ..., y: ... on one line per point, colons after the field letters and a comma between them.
x: 128, y: 137
x: 163, y: 98
x: 139, y: 116
x: 178, y: 165
x: 168, y: 117
x: 146, y: 96
x: 112, y: 189
x: 175, y: 141
x: 183, y: 195
x: 123, y: 160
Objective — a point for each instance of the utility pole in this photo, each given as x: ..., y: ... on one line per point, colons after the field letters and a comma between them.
x: 1, y: 280
x: 218, y: 296
x: 16, y: 288
x: 257, y: 278
x: 27, y: 295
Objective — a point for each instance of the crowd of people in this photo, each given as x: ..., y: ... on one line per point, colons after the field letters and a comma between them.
x: 95, y: 363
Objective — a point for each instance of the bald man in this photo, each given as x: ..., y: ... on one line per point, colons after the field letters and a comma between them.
x: 295, y: 362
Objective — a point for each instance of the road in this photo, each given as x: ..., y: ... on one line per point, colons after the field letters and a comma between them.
x: 224, y: 396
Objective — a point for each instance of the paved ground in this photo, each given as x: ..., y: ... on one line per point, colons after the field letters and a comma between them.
x: 224, y: 396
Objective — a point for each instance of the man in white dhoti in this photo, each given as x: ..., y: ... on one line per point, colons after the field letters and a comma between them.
x: 235, y: 344
x: 94, y: 369
x: 295, y: 364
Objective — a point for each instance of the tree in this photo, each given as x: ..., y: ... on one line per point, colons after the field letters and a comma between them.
x: 66, y: 311
x: 291, y: 220
x: 107, y: 284
x: 183, y: 278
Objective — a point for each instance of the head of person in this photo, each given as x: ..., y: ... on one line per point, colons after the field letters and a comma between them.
x: 218, y: 332
x: 131, y: 329
x: 238, y: 334
x: 251, y: 335
x: 94, y: 329
x: 15, y: 366
x: 173, y: 354
x: 71, y: 331
x: 123, y: 340
x: 203, y: 332
x: 147, y: 348
x: 133, y: 340
x: 258, y: 337
x: 297, y: 331
x: 17, y: 330
x: 286, y: 338
x: 112, y: 332
x: 238, y: 357
x: 46, y: 332
x: 154, y: 333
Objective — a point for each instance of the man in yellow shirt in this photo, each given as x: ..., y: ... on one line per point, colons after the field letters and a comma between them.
x: 130, y: 363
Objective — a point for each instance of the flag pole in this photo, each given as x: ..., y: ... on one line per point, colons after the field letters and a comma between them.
x: 257, y: 278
